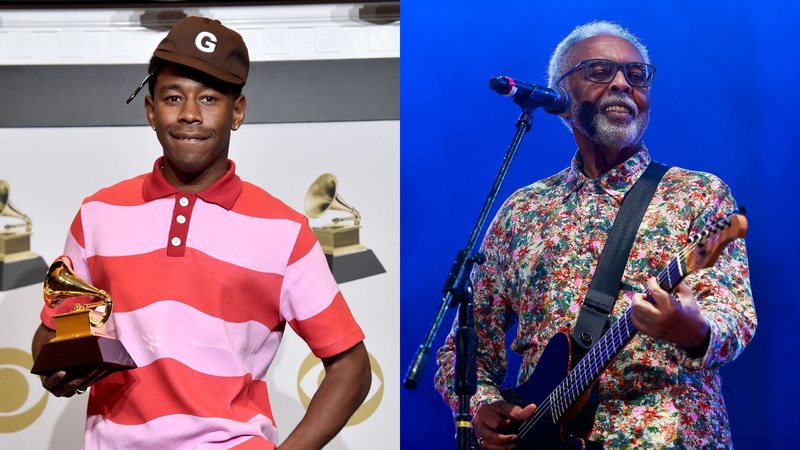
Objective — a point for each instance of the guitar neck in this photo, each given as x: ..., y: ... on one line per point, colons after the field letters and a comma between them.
x: 608, y: 346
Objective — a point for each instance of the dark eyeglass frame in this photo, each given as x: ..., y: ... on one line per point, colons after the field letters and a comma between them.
x: 587, y: 62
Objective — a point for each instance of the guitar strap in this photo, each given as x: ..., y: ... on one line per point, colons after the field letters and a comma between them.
x: 593, y: 317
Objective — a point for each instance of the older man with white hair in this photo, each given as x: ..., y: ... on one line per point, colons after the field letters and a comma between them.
x: 663, y: 389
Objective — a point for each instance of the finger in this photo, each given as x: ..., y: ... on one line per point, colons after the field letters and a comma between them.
x: 504, y: 409
x: 68, y: 389
x: 522, y: 414
x: 50, y: 382
x: 499, y: 441
x: 660, y: 297
x: 488, y: 420
x: 499, y: 417
x: 684, y: 291
x: 643, y: 310
x: 644, y: 314
x: 492, y: 423
x: 60, y: 385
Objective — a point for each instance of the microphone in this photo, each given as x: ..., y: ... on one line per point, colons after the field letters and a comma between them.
x: 554, y: 101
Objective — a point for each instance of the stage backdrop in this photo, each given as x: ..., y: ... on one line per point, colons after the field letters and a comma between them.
x: 313, y: 123
x: 724, y: 101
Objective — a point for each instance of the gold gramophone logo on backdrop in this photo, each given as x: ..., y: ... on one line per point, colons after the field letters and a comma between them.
x: 19, y: 266
x: 347, y: 258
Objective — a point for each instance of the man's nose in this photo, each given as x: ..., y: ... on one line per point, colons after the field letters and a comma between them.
x: 190, y: 112
x: 619, y: 82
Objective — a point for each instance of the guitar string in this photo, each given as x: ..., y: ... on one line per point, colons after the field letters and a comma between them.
x: 544, y: 408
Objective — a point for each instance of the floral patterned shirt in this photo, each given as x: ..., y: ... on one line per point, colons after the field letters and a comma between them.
x: 541, y: 251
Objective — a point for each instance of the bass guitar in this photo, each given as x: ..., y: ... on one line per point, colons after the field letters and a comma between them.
x: 560, y: 391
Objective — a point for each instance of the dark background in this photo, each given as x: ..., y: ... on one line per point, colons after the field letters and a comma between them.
x: 724, y: 101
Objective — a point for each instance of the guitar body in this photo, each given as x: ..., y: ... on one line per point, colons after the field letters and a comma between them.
x: 554, y: 364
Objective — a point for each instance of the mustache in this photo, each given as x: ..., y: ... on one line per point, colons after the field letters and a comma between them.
x: 617, y: 98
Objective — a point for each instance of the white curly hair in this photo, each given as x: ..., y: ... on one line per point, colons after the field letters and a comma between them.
x: 559, y: 61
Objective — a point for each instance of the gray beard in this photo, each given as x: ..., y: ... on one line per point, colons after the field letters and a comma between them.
x: 590, y: 120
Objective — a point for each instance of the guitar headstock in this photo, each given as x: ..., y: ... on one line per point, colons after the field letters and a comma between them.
x: 705, y: 247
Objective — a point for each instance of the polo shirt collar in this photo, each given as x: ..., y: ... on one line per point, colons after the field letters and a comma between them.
x: 223, y: 192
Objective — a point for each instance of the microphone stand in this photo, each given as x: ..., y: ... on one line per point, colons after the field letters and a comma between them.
x: 458, y: 292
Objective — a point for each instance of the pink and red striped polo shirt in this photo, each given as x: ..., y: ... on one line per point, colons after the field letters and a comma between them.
x: 203, y: 286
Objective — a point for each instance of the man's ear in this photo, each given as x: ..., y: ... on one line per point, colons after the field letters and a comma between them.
x: 565, y: 114
x: 149, y: 110
x: 239, y: 109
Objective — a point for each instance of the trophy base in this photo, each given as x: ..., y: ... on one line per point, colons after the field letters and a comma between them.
x: 335, y: 237
x: 90, y: 357
x: 17, y: 270
x: 347, y: 259
x: 353, y: 266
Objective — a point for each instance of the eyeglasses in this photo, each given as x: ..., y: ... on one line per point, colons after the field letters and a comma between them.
x: 603, y: 71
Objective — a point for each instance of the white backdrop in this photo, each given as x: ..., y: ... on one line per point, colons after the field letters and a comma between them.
x: 51, y: 170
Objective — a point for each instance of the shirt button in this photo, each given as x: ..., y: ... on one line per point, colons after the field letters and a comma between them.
x: 181, y: 218
x: 184, y: 201
x: 176, y: 241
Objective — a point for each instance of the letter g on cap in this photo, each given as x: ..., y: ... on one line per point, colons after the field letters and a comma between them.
x: 205, y: 42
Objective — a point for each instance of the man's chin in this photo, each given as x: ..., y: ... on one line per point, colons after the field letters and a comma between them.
x: 186, y: 163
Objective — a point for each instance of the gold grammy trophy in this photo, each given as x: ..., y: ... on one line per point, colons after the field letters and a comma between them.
x: 19, y: 266
x: 347, y: 258
x: 76, y: 349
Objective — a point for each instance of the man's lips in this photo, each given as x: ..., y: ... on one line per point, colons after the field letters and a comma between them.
x: 618, y: 110
x: 189, y: 137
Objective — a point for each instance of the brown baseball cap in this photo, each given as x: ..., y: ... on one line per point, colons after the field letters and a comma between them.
x: 205, y: 45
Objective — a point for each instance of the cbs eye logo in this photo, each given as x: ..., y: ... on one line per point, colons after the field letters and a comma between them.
x: 313, y: 365
x: 16, y: 411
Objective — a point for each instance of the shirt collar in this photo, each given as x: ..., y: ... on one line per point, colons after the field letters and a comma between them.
x: 223, y: 192
x: 616, y: 182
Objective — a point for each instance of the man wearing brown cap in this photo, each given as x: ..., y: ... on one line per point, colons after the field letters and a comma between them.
x: 205, y: 271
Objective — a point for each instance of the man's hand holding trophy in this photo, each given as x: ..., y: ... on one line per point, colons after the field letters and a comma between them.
x: 77, y: 356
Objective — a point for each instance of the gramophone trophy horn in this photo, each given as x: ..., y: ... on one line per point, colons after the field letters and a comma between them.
x: 347, y: 258
x: 322, y: 196
x: 19, y: 266
x: 61, y: 283
x: 7, y: 209
x: 76, y: 349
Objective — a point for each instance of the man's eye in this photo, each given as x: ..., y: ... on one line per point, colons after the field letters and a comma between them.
x: 600, y: 72
x: 173, y: 99
x: 636, y: 77
x: 207, y: 99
